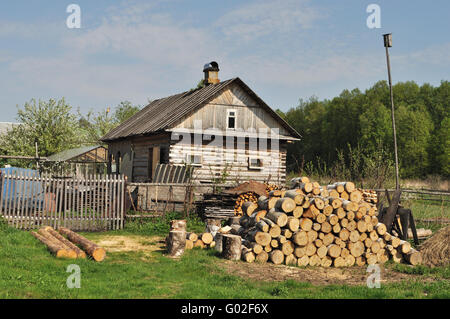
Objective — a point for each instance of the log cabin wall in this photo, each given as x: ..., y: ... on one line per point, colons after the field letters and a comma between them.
x: 231, y: 164
x: 218, y: 158
x: 135, y: 155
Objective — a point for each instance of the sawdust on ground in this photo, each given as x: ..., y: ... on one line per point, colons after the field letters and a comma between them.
x: 133, y: 243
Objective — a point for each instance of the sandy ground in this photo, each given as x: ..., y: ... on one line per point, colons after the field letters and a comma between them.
x: 262, y: 272
x: 129, y: 243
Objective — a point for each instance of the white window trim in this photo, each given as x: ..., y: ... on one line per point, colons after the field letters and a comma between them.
x: 235, y: 118
x: 188, y: 160
x: 250, y: 158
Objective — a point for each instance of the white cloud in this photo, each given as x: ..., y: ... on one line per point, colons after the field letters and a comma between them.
x: 308, y: 71
x: 261, y: 18
x: 433, y: 55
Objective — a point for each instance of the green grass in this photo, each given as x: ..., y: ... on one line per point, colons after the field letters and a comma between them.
x: 28, y: 270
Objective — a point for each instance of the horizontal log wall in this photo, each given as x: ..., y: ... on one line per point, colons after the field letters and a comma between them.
x: 233, y: 162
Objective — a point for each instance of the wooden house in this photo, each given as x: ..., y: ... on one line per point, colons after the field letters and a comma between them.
x: 223, y: 130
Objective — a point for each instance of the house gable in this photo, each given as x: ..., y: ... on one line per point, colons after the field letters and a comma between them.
x: 251, y: 114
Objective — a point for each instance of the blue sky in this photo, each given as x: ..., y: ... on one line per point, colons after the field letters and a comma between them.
x: 284, y: 50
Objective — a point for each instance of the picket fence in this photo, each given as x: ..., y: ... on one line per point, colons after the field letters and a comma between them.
x: 30, y: 200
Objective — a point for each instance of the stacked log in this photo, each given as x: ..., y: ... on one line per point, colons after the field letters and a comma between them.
x: 203, y: 240
x: 369, y: 195
x: 318, y: 225
x: 239, y: 210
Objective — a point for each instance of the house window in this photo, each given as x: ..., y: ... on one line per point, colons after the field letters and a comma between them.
x: 113, y: 164
x: 255, y: 163
x: 119, y: 163
x: 194, y: 160
x: 231, y: 119
x: 164, y: 155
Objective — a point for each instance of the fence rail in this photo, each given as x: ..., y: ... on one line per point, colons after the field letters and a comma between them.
x: 31, y: 200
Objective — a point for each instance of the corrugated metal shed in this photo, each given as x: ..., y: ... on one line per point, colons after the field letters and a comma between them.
x: 72, y: 153
x: 162, y: 114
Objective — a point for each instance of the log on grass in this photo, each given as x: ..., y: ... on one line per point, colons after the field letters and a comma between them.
x: 54, y: 233
x: 262, y: 257
x: 413, y: 257
x: 231, y: 247
x: 91, y: 248
x: 176, y: 243
x: 54, y: 248
x: 218, y: 240
x: 247, y: 255
x: 207, y: 238
x: 276, y: 256
x: 290, y: 260
x: 404, y: 247
x: 178, y: 224
x: 189, y: 244
x: 199, y: 243
x: 191, y: 236
x: 70, y: 252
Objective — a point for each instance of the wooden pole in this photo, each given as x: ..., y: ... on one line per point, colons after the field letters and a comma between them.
x: 387, y: 45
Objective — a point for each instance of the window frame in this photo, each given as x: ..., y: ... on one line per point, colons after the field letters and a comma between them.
x: 250, y: 166
x: 189, y: 162
x: 228, y: 118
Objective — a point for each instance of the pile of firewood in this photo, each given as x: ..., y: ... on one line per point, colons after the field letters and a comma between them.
x: 369, y: 195
x: 251, y: 197
x: 319, y: 226
x: 203, y: 240
x: 63, y: 247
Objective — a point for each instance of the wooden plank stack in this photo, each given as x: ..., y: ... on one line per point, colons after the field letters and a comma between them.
x: 317, y: 225
x: 63, y: 247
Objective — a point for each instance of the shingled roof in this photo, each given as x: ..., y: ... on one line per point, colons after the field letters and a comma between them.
x: 164, y: 113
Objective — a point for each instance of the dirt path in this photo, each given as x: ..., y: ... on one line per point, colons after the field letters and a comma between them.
x: 261, y: 272
x: 314, y: 275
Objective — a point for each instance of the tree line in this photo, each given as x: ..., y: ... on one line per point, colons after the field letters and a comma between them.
x: 353, y: 131
x: 54, y: 127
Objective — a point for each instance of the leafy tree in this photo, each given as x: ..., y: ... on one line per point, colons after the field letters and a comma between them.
x: 95, y: 125
x: 352, y: 132
x: 413, y: 135
x: 50, y: 124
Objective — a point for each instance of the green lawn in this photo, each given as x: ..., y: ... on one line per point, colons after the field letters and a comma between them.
x: 28, y: 270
